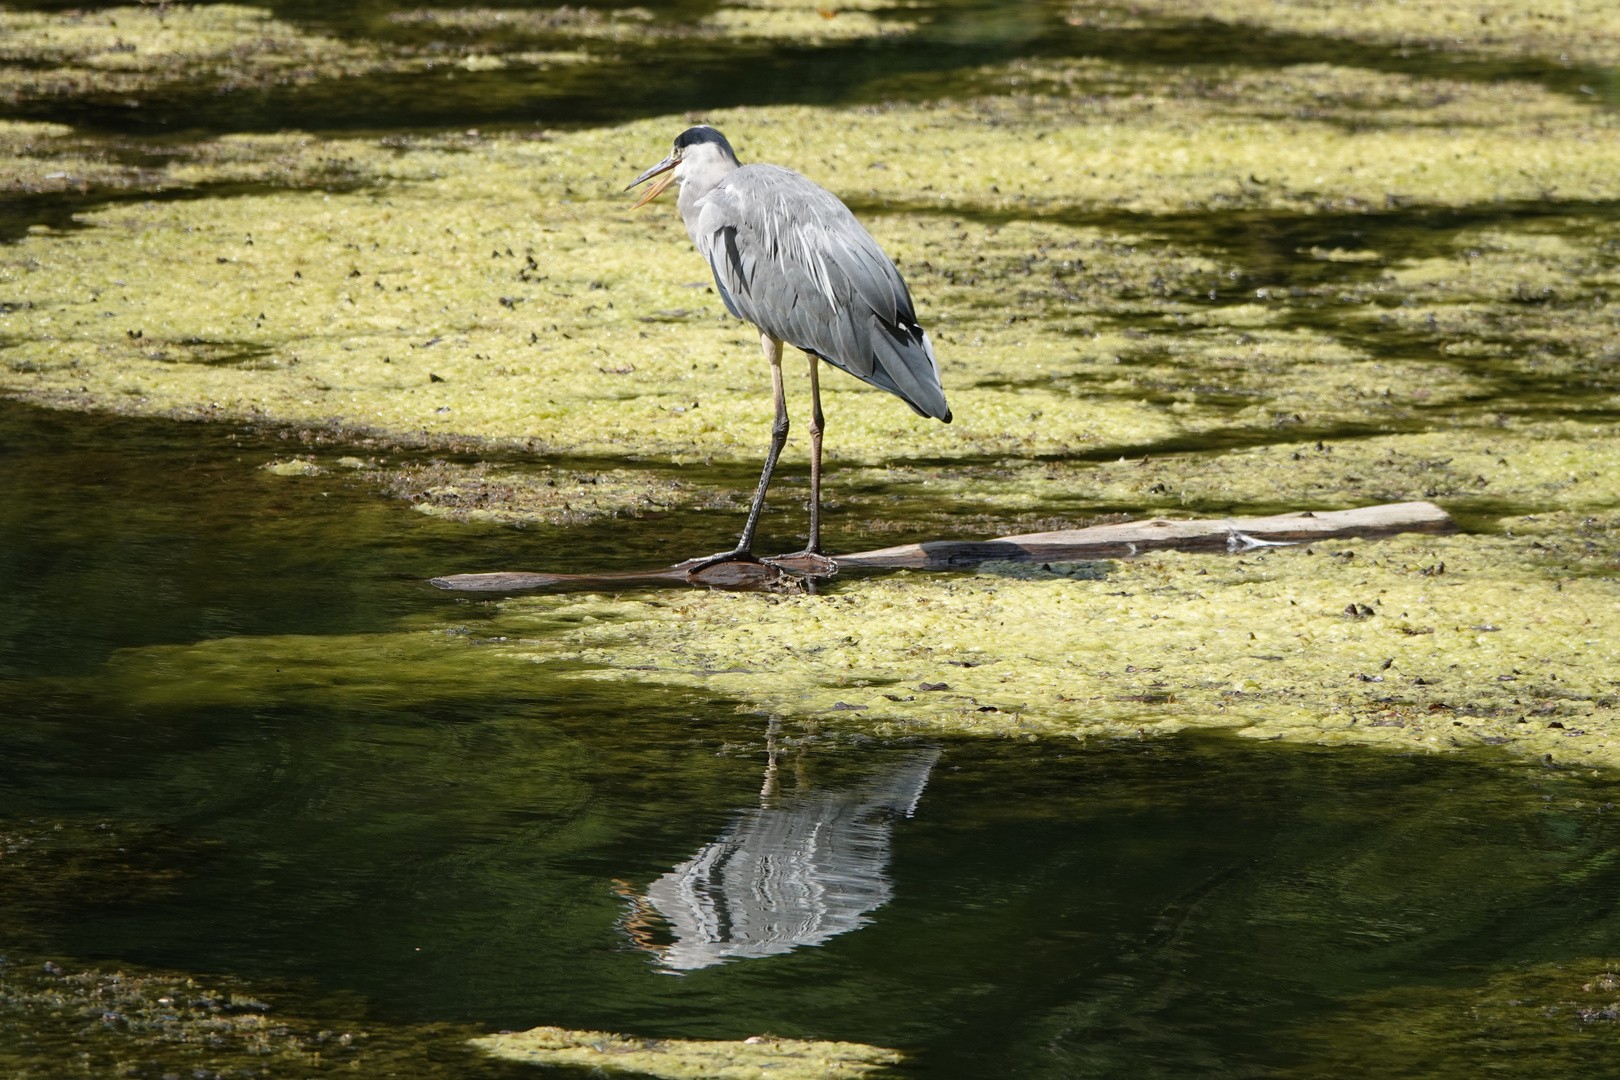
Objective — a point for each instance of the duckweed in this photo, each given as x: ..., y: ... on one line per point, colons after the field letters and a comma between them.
x: 1480, y: 474
x: 1456, y: 642
x: 690, y: 1059
x: 130, y: 1021
x: 502, y: 493
x: 494, y: 288
x: 1585, y: 31
x: 800, y: 21
x: 129, y: 50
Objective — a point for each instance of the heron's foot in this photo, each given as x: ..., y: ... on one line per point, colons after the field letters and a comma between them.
x: 703, y: 562
x: 732, y: 570
x: 807, y: 563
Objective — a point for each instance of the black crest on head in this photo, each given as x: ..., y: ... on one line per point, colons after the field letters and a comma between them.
x: 703, y: 133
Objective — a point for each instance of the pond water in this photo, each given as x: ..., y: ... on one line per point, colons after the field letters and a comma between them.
x: 595, y: 856
x: 608, y: 856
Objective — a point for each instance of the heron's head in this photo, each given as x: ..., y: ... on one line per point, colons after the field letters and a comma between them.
x: 699, y: 152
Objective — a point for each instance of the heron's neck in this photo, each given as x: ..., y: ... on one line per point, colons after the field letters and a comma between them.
x: 700, y: 177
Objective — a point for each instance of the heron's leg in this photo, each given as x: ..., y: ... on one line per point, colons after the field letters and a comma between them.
x: 779, y: 434
x: 817, y: 425
x: 811, y: 562
x: 744, y: 551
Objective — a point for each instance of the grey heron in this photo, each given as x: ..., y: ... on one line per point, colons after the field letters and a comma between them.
x: 790, y: 258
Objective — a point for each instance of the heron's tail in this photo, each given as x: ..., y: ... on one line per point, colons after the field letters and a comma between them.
x: 905, y: 366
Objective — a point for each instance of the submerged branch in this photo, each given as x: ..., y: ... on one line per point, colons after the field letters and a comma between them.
x: 1117, y: 541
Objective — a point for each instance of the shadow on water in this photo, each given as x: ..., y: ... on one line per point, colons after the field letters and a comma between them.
x: 1271, y: 247
x: 627, y: 81
x: 1268, y: 258
x: 59, y: 210
x: 118, y: 533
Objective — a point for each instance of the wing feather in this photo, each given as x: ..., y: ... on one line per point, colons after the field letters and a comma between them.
x: 790, y: 258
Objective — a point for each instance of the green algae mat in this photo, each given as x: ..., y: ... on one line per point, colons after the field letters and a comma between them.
x: 300, y: 308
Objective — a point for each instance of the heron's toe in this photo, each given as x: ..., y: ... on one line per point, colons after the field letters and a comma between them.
x: 807, y: 563
x: 734, y: 570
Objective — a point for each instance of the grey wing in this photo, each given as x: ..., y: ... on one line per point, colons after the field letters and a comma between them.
x: 790, y: 258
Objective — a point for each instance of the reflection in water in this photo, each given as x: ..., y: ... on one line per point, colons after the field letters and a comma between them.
x: 800, y: 869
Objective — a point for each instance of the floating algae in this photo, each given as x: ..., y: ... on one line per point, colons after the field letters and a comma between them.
x: 503, y: 25
x: 503, y: 493
x: 1479, y: 474
x: 494, y: 288
x: 135, y: 1022
x: 131, y: 1021
x: 754, y: 1058
x: 293, y: 467
x: 1452, y: 642
x: 38, y: 157
x: 127, y: 50
x: 1585, y: 31
x: 116, y: 56
x: 800, y: 20
x: 1057, y: 230
x: 516, y: 494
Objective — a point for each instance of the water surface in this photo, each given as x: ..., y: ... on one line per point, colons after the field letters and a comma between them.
x: 997, y: 908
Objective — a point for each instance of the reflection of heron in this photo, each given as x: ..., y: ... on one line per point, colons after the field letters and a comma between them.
x: 796, y: 871
x: 790, y: 258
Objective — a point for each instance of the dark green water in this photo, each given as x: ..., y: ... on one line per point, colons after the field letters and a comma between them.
x: 1166, y: 908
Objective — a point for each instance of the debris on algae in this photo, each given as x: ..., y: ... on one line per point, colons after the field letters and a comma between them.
x: 509, y: 494
x: 756, y: 1058
x: 132, y: 1021
x: 293, y: 467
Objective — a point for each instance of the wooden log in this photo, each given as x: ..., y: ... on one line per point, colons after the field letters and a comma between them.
x: 1158, y: 534
x: 1120, y: 541
x: 731, y: 575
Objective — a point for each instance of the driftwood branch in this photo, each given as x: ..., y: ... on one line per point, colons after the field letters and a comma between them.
x: 1121, y: 541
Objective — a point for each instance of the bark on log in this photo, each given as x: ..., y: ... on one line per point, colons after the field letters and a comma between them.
x: 1120, y: 541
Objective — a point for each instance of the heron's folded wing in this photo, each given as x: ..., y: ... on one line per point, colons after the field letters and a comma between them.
x: 790, y: 258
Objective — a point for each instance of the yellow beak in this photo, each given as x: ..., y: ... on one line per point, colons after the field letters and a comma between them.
x: 667, y: 166
x: 656, y: 190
